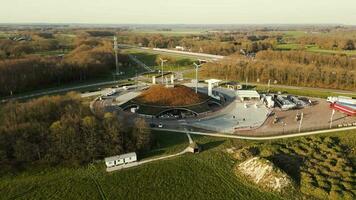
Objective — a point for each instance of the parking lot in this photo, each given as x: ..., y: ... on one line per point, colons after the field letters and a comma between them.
x: 315, y: 117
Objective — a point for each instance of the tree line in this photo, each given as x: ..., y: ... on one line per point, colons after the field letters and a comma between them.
x: 61, y: 130
x: 329, y: 42
x: 296, y: 68
x: 214, y: 43
x: 90, y: 59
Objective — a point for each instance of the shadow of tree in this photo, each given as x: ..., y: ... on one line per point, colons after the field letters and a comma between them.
x: 148, y: 59
x: 211, y: 145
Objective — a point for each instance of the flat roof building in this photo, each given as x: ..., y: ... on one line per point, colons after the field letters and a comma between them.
x: 245, y: 95
x: 120, y: 159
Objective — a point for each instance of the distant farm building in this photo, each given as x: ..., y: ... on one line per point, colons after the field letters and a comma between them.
x: 120, y: 159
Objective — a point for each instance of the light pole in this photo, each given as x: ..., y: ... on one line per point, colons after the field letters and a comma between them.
x: 300, y: 122
x: 284, y: 125
x: 116, y: 59
x: 331, y: 118
x: 196, y: 76
x: 269, y: 84
x: 162, y: 63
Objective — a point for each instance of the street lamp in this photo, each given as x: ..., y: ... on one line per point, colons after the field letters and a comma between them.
x: 331, y: 118
x: 196, y: 76
x: 284, y: 125
x: 300, y: 122
x: 162, y: 63
x: 116, y: 58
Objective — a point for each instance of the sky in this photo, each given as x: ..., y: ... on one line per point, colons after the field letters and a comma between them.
x: 179, y: 11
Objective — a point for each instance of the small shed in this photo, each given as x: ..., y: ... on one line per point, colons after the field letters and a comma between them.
x: 120, y: 159
x: 246, y: 95
x: 194, y: 148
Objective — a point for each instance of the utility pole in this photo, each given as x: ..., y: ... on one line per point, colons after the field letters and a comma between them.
x: 162, y: 63
x: 116, y: 59
x: 331, y: 118
x: 269, y: 84
x: 300, y: 122
x: 284, y: 125
x: 196, y: 76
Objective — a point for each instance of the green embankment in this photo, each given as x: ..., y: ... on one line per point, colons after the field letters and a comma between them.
x: 208, y: 175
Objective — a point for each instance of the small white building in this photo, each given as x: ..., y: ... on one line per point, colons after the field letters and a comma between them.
x: 246, y: 95
x: 120, y: 159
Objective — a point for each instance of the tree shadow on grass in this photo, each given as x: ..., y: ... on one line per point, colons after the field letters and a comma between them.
x: 148, y: 59
x: 288, y: 163
x: 211, y: 145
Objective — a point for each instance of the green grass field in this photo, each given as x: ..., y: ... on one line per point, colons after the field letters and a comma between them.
x: 208, y: 175
x: 313, y: 49
x: 173, y: 32
x: 294, y: 34
x: 304, y: 92
x: 152, y: 53
x: 328, y: 51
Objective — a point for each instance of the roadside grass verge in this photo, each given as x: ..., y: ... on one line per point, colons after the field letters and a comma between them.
x: 303, y: 92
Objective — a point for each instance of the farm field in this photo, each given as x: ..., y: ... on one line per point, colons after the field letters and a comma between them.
x: 312, y: 48
x: 152, y: 53
x: 175, y: 63
x: 206, y: 175
x: 173, y: 32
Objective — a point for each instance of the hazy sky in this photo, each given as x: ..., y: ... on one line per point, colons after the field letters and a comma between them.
x: 178, y: 11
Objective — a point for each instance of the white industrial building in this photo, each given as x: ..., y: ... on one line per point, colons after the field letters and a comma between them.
x: 246, y: 95
x: 120, y: 159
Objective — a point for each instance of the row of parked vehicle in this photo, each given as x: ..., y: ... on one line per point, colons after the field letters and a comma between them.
x: 285, y: 102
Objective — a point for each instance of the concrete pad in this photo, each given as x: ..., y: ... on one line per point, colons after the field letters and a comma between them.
x: 236, y: 116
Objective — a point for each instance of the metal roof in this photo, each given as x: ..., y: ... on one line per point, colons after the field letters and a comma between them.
x: 247, y: 93
x: 118, y: 157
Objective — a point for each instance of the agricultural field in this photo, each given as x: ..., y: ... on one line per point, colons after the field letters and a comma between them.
x: 206, y: 175
x: 294, y: 34
x: 313, y: 49
x: 150, y: 58
x: 176, y: 63
x: 173, y: 32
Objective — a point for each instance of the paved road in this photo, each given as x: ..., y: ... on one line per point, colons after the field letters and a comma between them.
x: 54, y: 91
x: 259, y: 138
x: 202, y: 56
